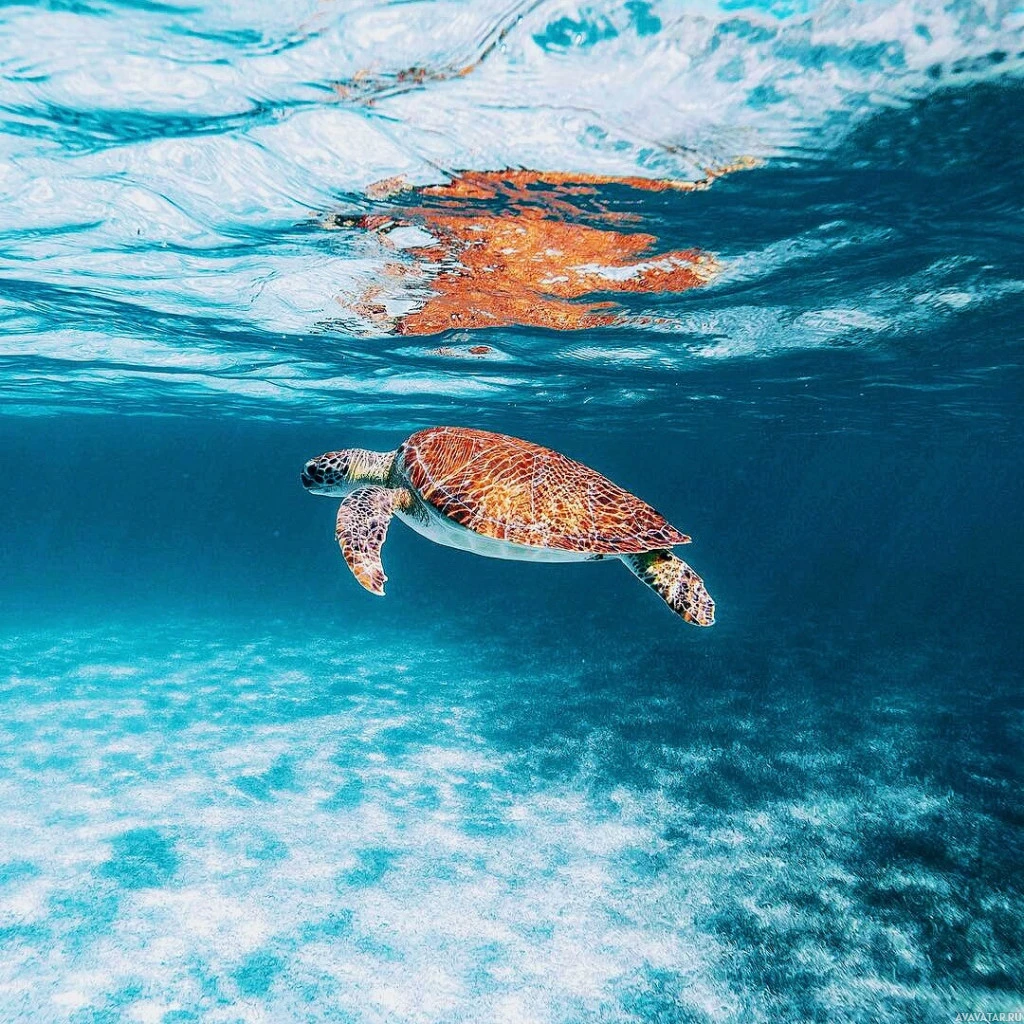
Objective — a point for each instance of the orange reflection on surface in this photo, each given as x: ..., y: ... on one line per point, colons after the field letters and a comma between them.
x: 526, y: 248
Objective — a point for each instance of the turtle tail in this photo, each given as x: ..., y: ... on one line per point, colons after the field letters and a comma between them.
x: 675, y: 583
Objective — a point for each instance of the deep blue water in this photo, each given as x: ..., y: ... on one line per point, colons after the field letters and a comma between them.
x: 236, y: 787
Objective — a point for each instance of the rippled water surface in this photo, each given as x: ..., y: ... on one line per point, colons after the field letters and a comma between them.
x: 760, y: 264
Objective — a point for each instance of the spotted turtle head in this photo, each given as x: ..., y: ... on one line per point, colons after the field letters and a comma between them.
x: 340, y: 473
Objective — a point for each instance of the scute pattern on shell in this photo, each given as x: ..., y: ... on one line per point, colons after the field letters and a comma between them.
x: 522, y: 493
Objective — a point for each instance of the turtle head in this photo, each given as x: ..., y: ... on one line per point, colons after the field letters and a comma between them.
x: 339, y: 473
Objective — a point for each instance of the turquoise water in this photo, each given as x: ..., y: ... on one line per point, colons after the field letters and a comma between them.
x: 236, y: 787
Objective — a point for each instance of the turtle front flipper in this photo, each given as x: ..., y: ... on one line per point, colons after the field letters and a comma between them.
x: 362, y: 527
x: 675, y: 583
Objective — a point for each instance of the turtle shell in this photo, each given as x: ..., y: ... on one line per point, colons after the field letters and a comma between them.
x: 522, y: 493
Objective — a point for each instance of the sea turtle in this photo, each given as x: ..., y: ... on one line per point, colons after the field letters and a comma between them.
x: 504, y: 498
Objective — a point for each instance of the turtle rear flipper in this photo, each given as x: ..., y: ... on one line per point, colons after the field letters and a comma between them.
x: 675, y: 583
x: 362, y: 527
